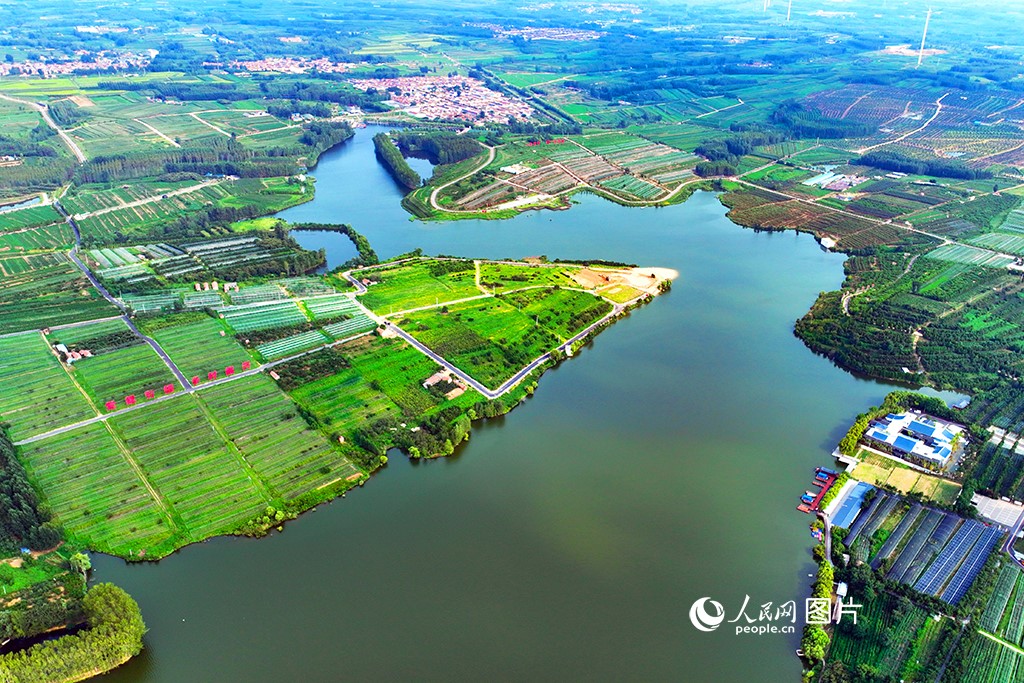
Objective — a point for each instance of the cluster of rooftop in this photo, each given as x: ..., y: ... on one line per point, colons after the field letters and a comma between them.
x: 81, y: 61
x: 448, y: 98
x: 917, y: 437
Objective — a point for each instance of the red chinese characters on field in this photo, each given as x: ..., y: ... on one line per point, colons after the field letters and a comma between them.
x: 111, y: 405
x: 229, y: 370
x: 245, y: 365
x: 130, y: 399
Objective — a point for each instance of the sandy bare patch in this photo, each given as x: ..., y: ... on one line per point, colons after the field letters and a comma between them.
x: 908, y: 51
x: 644, y: 279
x: 82, y: 101
x: 904, y: 480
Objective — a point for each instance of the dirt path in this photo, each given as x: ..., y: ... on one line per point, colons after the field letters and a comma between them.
x: 860, y: 99
x: 938, y: 110
x: 172, y: 142
x: 715, y: 111
x: 210, y: 125
x: 147, y: 200
x: 44, y: 112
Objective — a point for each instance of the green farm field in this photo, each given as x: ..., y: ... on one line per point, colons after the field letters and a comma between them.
x: 410, y: 286
x: 31, y: 217
x: 46, y: 290
x: 380, y: 378
x: 201, y: 479
x: 96, y: 491
x: 494, y: 338
x: 276, y: 442
x: 52, y: 236
x: 197, y: 346
x: 503, y: 277
x: 127, y: 371
x: 38, y: 395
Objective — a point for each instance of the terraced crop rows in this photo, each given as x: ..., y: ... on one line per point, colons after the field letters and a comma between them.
x: 279, y: 348
x: 37, y: 394
x: 191, y: 466
x: 262, y: 316
x: 264, y: 425
x: 95, y: 493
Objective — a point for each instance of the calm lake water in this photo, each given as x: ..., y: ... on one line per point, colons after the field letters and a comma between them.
x: 568, y: 539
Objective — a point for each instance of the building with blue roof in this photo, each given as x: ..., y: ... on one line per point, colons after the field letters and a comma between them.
x: 918, y: 438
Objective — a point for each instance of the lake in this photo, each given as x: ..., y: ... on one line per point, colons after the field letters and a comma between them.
x: 568, y: 539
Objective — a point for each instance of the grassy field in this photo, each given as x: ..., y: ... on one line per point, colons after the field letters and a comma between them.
x: 407, y: 286
x: 37, y: 394
x: 879, y: 471
x: 499, y: 277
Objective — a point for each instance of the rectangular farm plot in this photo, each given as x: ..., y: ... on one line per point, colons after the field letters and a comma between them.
x: 274, y: 439
x: 193, y: 468
x: 51, y: 236
x: 1001, y: 241
x: 95, y: 492
x: 262, y: 316
x: 128, y: 371
x: 959, y: 253
x: 504, y: 277
x: 330, y: 306
x: 37, y: 396
x: 357, y: 324
x: 419, y: 284
x: 198, y: 347
x: 296, y: 343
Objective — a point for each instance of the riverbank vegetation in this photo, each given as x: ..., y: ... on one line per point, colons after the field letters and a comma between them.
x: 112, y: 635
x: 391, y: 157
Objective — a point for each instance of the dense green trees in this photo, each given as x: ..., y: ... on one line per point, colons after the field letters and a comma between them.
x: 23, y: 520
x: 114, y: 635
x: 890, y: 160
x: 438, y: 147
x: 389, y: 155
x: 801, y: 122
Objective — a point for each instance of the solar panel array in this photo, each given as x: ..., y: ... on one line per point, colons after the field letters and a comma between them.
x: 952, y: 554
x: 969, y: 570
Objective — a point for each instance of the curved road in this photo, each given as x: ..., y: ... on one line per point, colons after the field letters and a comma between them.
x: 491, y: 152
